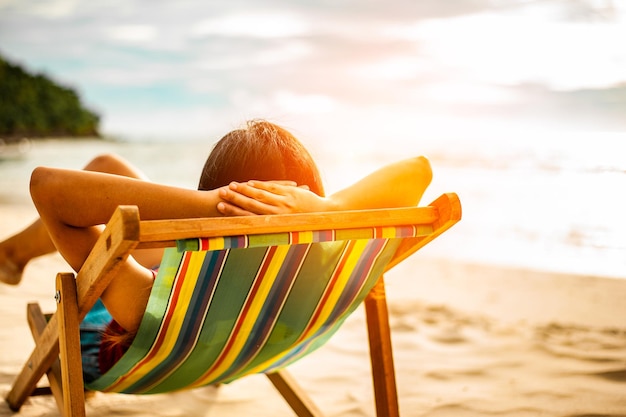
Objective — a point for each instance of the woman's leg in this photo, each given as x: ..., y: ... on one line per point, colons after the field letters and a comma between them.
x: 19, y: 249
x: 127, y: 294
x: 34, y: 241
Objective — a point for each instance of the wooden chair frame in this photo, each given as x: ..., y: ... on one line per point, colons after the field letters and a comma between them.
x: 57, y: 350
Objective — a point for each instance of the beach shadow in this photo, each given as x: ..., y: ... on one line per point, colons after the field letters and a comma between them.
x: 6, y: 378
x: 593, y: 345
x: 614, y: 376
x: 596, y: 415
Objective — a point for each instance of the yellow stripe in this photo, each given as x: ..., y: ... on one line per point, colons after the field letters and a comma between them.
x: 173, y: 330
x: 216, y: 243
x: 353, y: 256
x: 270, y: 365
x: 389, y: 232
x: 250, y: 319
x: 305, y: 237
x: 344, y: 276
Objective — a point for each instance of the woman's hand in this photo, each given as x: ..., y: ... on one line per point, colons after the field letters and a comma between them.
x: 269, y: 197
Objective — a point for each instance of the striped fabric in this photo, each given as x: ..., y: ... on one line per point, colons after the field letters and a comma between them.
x: 222, y: 308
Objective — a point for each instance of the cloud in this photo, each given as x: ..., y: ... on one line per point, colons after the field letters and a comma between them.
x: 133, y: 34
x: 261, y: 25
x: 307, y: 104
x: 398, y: 67
x: 254, y: 55
x: 227, y: 60
x: 469, y: 93
x: 516, y: 49
x: 50, y: 9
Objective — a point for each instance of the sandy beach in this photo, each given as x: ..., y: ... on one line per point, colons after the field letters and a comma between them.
x: 469, y: 340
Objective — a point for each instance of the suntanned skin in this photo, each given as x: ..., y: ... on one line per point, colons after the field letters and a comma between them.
x: 15, y: 254
x: 73, y: 217
x: 73, y: 205
x: 400, y: 184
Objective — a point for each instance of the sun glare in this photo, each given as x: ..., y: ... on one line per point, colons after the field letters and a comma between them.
x: 514, y: 49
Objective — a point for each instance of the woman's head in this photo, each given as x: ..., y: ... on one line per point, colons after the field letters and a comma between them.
x: 262, y: 151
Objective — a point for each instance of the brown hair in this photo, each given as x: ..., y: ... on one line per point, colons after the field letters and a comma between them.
x: 260, y: 151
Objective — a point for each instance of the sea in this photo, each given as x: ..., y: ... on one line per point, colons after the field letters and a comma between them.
x: 546, y: 201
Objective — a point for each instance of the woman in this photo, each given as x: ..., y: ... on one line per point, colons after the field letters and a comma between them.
x: 261, y: 169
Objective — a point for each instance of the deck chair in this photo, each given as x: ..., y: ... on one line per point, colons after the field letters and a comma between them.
x: 234, y: 296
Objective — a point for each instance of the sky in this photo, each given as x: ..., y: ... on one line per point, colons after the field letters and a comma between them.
x: 157, y: 70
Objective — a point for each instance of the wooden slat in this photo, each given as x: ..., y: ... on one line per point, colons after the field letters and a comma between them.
x: 124, y: 231
x: 69, y: 346
x: 40, y: 360
x: 447, y: 213
x: 171, y: 230
x: 119, y: 238
x: 113, y: 246
x: 37, y: 323
x: 381, y: 354
x: 295, y: 396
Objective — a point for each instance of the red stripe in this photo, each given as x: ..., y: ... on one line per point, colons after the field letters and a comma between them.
x: 182, y: 270
x: 331, y: 285
x: 255, y: 288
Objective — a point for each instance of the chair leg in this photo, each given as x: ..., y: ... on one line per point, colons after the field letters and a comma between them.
x: 37, y: 322
x: 69, y: 345
x: 41, y: 359
x: 381, y: 354
x: 295, y: 396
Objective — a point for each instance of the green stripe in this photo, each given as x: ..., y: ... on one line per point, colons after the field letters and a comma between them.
x: 230, y: 296
x: 303, y: 299
x: 314, y: 343
x: 150, y: 323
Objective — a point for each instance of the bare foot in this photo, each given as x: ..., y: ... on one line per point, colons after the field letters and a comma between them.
x: 10, y: 273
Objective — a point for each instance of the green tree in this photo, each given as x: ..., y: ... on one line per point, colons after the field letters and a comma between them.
x: 33, y: 105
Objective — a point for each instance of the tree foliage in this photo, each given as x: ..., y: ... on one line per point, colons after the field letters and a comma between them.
x: 33, y: 105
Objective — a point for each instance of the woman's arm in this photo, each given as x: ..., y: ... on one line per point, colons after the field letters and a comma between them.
x: 398, y: 184
x: 74, y: 204
x: 82, y: 198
